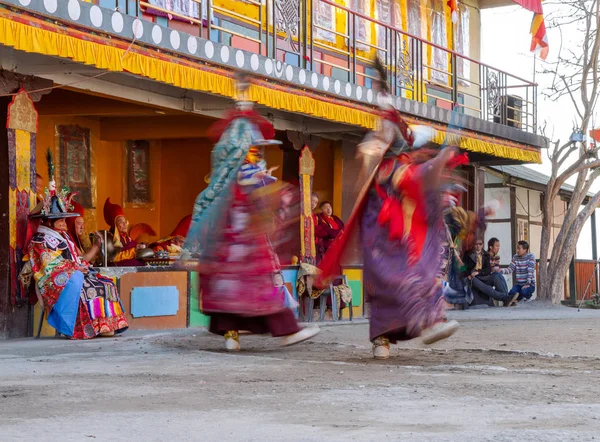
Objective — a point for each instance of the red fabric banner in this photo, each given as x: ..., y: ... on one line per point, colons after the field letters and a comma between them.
x: 531, y: 5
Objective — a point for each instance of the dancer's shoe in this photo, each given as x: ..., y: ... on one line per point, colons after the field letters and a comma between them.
x: 441, y: 330
x: 232, y: 341
x: 381, y: 348
x: 303, y: 335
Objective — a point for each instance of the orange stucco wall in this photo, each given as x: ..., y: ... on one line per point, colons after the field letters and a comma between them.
x: 177, y: 169
x: 179, y: 156
x: 323, y: 179
x: 184, y: 164
x: 46, y: 138
x: 107, y: 166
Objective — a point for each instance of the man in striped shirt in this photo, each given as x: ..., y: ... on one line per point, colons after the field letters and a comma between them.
x: 523, y: 265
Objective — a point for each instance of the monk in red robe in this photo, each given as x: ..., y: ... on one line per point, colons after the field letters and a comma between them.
x: 175, y: 240
x: 115, y: 218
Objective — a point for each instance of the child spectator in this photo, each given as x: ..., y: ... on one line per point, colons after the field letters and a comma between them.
x: 523, y: 264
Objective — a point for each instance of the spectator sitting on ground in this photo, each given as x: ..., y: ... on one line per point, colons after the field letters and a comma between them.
x: 523, y: 265
x: 494, y: 250
x: 479, y: 271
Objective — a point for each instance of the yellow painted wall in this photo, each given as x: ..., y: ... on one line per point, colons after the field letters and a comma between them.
x: 47, y: 331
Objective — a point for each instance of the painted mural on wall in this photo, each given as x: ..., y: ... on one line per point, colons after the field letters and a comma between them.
x: 74, y: 150
x: 138, y: 172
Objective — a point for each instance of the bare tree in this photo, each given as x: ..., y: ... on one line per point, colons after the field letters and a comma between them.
x: 575, y: 75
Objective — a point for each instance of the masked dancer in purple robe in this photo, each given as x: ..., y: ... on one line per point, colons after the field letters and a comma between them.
x: 398, y: 217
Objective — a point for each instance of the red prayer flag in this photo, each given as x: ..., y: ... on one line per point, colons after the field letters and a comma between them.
x: 539, y: 37
x: 595, y: 134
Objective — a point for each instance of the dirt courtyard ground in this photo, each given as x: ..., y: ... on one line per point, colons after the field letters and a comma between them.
x: 529, y: 373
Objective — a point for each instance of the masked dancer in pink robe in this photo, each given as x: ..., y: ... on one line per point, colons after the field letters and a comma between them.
x: 230, y: 236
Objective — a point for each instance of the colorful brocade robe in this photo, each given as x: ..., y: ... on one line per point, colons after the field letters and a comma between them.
x: 55, y: 260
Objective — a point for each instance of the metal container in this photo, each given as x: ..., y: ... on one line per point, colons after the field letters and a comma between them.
x: 145, y: 253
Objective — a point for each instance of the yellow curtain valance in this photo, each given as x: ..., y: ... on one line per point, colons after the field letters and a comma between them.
x: 188, y: 76
x: 36, y: 36
x: 479, y: 145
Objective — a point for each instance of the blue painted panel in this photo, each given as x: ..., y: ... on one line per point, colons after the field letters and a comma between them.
x: 289, y: 276
x: 368, y: 81
x: 214, y: 33
x: 154, y: 301
x: 162, y: 21
x: 340, y: 74
x: 293, y: 59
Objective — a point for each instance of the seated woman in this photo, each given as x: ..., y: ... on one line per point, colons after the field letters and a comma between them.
x: 174, y: 242
x: 329, y: 226
x: 80, y: 303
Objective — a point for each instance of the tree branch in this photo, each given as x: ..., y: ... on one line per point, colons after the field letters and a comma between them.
x: 568, y: 89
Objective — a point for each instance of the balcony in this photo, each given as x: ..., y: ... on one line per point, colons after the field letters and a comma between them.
x: 418, y: 70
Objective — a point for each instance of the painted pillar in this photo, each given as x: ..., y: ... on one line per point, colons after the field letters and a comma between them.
x: 17, y: 179
x: 308, y: 251
x: 21, y: 125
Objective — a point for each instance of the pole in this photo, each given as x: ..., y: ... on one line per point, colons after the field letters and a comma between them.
x: 595, y: 248
x: 572, y: 282
x: 105, y: 250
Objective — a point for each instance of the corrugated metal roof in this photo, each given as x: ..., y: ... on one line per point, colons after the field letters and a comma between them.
x: 527, y: 174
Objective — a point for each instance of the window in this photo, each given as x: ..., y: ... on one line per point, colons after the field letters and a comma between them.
x: 439, y: 36
x: 383, y: 14
x: 323, y: 17
x: 188, y: 8
x: 363, y: 27
x: 462, y: 45
x: 390, y: 13
x: 414, y: 18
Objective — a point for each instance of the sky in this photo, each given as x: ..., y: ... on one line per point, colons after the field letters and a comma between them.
x: 505, y: 42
